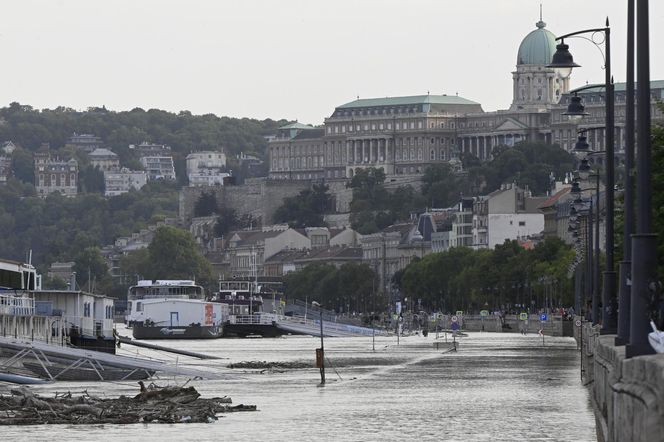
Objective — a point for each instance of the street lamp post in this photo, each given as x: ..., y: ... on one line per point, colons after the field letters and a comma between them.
x: 644, y: 246
x: 625, y: 269
x: 562, y: 59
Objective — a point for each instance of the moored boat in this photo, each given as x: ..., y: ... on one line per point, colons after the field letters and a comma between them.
x: 173, y: 309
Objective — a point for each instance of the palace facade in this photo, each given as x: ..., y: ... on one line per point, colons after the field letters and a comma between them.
x: 403, y: 135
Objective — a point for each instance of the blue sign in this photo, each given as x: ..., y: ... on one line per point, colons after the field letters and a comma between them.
x: 543, y: 317
x: 455, y: 326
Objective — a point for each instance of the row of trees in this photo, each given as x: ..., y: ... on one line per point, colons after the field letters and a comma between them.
x: 349, y: 288
x: 471, y: 280
x: 459, y: 279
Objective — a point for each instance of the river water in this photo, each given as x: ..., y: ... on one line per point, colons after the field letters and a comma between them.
x: 495, y: 387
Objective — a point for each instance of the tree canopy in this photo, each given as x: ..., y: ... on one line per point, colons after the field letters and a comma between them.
x: 172, y: 254
x: 467, y: 279
x: 352, y: 287
x: 306, y: 209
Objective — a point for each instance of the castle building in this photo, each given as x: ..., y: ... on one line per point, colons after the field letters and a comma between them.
x: 403, y: 135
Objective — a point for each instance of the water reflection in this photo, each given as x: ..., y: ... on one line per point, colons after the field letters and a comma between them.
x: 496, y: 387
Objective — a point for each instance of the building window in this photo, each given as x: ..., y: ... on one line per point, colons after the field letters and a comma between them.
x: 522, y: 223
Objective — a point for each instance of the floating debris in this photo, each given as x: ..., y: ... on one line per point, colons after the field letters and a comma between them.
x: 169, y: 404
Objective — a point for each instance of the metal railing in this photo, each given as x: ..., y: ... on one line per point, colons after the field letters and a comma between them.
x: 16, y: 305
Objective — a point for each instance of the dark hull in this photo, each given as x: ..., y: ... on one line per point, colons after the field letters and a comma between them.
x: 140, y: 331
x: 60, y: 373
x: 244, y: 330
x: 106, y: 345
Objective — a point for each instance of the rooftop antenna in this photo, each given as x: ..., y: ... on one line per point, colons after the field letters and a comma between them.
x: 540, y: 11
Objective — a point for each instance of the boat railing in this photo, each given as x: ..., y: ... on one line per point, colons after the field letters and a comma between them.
x: 16, y: 305
x: 135, y: 297
x: 255, y: 319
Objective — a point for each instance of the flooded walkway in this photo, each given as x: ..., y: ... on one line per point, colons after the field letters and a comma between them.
x: 496, y: 387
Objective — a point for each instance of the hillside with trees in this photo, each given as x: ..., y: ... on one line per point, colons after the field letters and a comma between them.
x: 184, y: 132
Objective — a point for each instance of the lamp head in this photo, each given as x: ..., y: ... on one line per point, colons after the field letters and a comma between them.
x: 584, y: 169
x: 575, y: 109
x: 581, y: 145
x: 562, y: 60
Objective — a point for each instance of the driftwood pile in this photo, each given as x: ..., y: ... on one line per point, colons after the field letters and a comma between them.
x: 152, y: 404
x: 276, y: 366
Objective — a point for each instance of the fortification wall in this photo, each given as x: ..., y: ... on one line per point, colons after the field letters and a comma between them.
x: 259, y: 197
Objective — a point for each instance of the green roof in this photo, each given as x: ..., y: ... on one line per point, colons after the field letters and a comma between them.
x: 297, y: 125
x: 537, y: 47
x: 402, y: 101
x: 618, y: 87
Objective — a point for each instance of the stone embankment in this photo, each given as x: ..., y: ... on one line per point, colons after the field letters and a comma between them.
x: 627, y: 394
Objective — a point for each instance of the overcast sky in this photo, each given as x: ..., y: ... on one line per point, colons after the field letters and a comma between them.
x: 294, y: 59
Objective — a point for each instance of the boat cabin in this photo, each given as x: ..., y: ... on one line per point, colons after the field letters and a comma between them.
x: 86, y: 317
x: 242, y: 297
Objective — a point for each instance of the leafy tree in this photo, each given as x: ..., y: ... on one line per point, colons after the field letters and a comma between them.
x: 91, y: 180
x: 226, y: 221
x: 91, y: 269
x: 206, y: 204
x: 306, y: 209
x: 23, y: 165
x: 174, y: 254
x: 342, y: 289
x: 466, y: 279
x: 54, y: 283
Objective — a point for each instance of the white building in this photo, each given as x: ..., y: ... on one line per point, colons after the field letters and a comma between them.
x: 207, y: 177
x: 104, y: 159
x: 506, y: 214
x: 205, y: 160
x: 121, y: 181
x: 159, y: 167
x: 509, y: 226
x: 206, y: 168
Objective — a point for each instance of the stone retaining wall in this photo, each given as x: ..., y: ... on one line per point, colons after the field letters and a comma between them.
x: 627, y: 394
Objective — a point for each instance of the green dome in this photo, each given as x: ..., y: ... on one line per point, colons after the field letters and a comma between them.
x: 538, y: 47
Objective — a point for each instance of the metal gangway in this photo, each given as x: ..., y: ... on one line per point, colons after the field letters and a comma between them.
x: 306, y: 326
x: 73, y: 358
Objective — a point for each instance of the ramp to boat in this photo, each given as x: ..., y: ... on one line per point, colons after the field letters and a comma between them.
x: 305, y: 326
x: 129, y: 341
x: 96, y: 360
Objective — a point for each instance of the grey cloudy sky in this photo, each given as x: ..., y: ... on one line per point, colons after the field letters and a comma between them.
x: 294, y: 59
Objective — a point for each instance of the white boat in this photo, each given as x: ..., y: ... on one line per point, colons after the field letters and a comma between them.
x: 656, y: 338
x: 173, y: 309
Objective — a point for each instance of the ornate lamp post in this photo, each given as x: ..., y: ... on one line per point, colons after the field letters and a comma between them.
x: 644, y: 246
x: 563, y: 60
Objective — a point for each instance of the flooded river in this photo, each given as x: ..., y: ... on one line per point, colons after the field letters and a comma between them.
x: 495, y: 387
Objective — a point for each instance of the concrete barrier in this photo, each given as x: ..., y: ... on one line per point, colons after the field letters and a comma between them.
x: 627, y: 394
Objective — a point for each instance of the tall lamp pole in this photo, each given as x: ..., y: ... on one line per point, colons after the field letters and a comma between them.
x: 584, y: 172
x: 644, y: 245
x: 563, y: 60
x: 624, y: 293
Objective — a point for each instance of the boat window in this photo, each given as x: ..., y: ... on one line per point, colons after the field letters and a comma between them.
x: 139, y: 306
